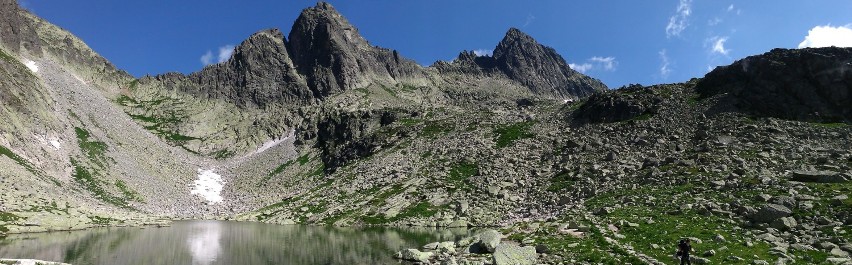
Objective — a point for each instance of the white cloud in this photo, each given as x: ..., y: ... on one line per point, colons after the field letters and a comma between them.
x: 665, y: 68
x: 731, y: 8
x: 608, y: 63
x: 530, y: 19
x: 718, y: 45
x: 715, y: 21
x: 597, y: 62
x: 483, y: 52
x: 582, y: 68
x: 826, y: 36
x: 207, y: 58
x: 678, y: 22
x: 224, y: 54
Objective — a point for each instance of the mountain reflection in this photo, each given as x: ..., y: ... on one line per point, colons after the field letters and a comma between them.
x: 220, y: 242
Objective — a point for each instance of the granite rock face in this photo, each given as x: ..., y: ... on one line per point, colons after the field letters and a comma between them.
x: 333, y: 56
x: 15, y: 31
x: 626, y: 103
x: 812, y: 84
x: 259, y: 72
x: 540, y: 68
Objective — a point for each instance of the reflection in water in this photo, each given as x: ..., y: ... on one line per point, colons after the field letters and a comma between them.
x: 204, y: 242
x: 218, y: 242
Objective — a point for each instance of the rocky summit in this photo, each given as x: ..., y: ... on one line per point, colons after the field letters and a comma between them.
x: 753, y: 161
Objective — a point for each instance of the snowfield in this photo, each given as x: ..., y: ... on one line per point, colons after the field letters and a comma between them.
x: 208, y: 186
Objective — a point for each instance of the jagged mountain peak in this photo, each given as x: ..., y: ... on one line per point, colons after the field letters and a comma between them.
x: 323, y: 18
x: 333, y: 56
x: 515, y: 36
x: 541, y: 68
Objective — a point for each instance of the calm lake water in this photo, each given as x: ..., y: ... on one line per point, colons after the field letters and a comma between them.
x: 222, y: 242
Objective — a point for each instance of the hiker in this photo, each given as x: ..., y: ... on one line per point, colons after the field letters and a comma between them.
x: 683, y: 249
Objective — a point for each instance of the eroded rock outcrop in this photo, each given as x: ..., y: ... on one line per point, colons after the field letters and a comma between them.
x: 812, y: 84
x: 623, y: 104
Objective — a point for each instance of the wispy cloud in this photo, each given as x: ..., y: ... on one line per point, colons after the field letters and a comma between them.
x: 731, y: 8
x: 597, y: 62
x: 582, y: 68
x: 224, y: 54
x: 530, y: 19
x: 665, y: 67
x: 608, y: 63
x: 717, y: 45
x: 826, y: 36
x: 483, y: 52
x: 679, y: 21
x: 715, y: 21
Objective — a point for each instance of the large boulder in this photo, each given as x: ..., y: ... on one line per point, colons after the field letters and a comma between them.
x: 818, y: 176
x: 511, y: 254
x: 771, y: 212
x: 489, y: 240
x: 811, y: 84
x: 414, y: 255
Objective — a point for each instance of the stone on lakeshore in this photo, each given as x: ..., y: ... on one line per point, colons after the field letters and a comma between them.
x: 414, y: 255
x: 511, y: 254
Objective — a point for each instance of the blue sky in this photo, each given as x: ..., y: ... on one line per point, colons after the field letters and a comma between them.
x: 619, y: 42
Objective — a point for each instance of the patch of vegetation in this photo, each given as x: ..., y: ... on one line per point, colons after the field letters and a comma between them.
x: 422, y: 209
x: 409, y: 121
x: 9, y: 217
x: 435, y: 128
x: 128, y: 193
x: 89, y: 181
x: 312, y: 209
x: 48, y: 207
x: 125, y: 100
x: 98, y: 220
x: 644, y: 117
x: 560, y: 182
x: 222, y: 154
x: 693, y: 100
x: 27, y: 165
x: 509, y: 134
x: 6, y: 57
x: 390, y: 91
x: 134, y: 84
x: 272, y: 209
x: 379, y: 199
x: 93, y: 150
x: 460, y: 173
x: 304, y: 159
x: 334, y: 218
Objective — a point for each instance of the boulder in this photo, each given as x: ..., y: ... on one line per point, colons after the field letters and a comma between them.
x: 414, y: 255
x: 489, y: 240
x: 771, y: 212
x: 511, y: 254
x: 784, y: 223
x: 824, y: 176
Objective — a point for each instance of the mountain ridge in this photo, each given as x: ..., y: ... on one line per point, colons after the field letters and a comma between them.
x: 359, y: 140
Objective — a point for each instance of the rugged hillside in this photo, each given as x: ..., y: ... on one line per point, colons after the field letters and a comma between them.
x: 323, y: 128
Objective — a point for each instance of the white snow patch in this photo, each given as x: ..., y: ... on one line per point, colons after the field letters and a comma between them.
x: 55, y: 143
x: 272, y: 143
x: 209, y: 186
x: 32, y: 66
